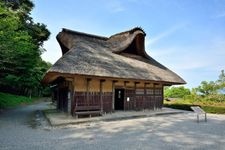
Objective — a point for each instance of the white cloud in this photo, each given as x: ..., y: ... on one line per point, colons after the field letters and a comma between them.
x: 166, y: 33
x: 195, y: 63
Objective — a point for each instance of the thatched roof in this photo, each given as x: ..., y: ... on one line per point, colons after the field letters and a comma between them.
x: 120, y: 56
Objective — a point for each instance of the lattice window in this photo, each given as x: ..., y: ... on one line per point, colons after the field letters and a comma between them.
x: 140, y: 91
x: 158, y: 91
x: 149, y: 91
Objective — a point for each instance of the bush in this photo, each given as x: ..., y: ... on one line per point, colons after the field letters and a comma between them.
x: 215, y: 97
x: 208, y: 106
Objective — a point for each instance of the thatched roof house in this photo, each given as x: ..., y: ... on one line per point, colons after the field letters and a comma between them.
x: 105, y: 67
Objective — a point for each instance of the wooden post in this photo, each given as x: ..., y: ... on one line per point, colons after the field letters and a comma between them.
x: 87, y: 91
x: 145, y: 96
x: 101, y: 100
x: 158, y: 101
x: 125, y: 96
x: 135, y: 100
x: 113, y: 94
x: 73, y: 105
x: 154, y: 96
x: 69, y: 97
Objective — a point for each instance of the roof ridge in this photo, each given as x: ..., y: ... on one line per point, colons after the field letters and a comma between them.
x: 131, y: 31
x: 85, y: 34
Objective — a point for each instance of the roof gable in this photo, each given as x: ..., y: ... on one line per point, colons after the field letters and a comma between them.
x: 131, y: 41
x: 68, y: 38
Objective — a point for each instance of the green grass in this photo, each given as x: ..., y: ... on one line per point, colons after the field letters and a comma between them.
x: 10, y: 100
x: 207, y: 106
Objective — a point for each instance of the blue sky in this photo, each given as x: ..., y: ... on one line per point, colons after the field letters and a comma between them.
x: 187, y: 36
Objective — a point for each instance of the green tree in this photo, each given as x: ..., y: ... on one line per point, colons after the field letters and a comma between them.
x: 213, y: 90
x: 176, y: 92
x: 21, y: 41
x: 221, y: 82
x: 207, y: 88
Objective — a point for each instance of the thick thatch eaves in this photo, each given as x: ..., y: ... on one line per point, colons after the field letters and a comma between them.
x: 119, y: 56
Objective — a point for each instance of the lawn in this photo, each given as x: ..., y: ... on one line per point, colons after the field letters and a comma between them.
x: 10, y: 100
x: 207, y: 106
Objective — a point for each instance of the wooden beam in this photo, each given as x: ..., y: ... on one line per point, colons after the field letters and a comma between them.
x: 87, y: 90
x: 162, y: 92
x: 73, y: 105
x: 145, y: 94
x: 125, y: 83
x: 101, y: 100
x: 113, y: 94
x: 135, y: 87
x: 69, y: 79
x: 114, y: 81
x: 124, y: 99
x: 156, y: 83
x: 70, y: 97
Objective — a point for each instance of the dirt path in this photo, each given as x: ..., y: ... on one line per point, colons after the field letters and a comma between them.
x: 180, y: 131
x: 22, y: 115
x: 17, y: 125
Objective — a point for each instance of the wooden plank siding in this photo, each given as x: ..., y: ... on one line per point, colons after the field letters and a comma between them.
x: 151, y: 99
x: 100, y: 93
x: 136, y: 101
x: 80, y: 100
x: 107, y: 101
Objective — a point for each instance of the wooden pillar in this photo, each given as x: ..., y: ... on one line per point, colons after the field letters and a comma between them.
x: 73, y: 103
x: 113, y: 94
x: 69, y: 97
x: 125, y: 95
x: 145, y: 96
x: 154, y: 96
x: 135, y: 100
x: 156, y: 101
x: 87, y: 90
x: 101, y: 99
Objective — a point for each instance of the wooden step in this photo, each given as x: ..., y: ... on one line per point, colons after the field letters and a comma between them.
x: 87, y: 112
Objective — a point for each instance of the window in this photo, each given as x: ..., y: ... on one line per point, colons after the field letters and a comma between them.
x: 149, y: 91
x: 140, y: 91
x: 158, y: 91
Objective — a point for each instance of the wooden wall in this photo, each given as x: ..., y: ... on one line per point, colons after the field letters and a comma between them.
x: 141, y: 95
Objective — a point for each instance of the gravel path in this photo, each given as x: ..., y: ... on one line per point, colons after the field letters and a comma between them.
x: 25, y: 128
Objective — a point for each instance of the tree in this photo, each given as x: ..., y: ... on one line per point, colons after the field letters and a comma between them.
x: 21, y: 41
x: 176, y: 92
x: 207, y: 88
x: 221, y: 82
